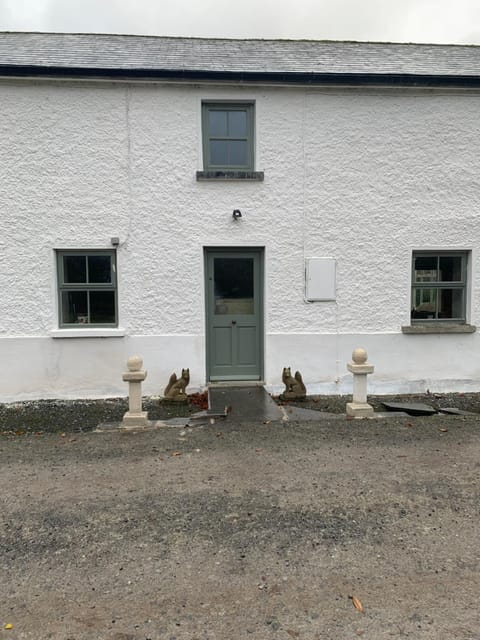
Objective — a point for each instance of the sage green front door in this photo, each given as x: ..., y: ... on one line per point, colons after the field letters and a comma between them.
x: 234, y: 299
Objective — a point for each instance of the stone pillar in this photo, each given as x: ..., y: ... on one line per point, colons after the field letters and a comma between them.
x: 135, y: 375
x: 359, y: 408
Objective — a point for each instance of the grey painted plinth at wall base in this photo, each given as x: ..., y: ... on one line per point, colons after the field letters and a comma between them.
x: 359, y: 407
x: 134, y: 418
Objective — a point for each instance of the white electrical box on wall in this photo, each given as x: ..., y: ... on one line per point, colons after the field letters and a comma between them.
x: 320, y: 279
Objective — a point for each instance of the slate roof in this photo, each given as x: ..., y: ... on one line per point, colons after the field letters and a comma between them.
x: 282, y: 60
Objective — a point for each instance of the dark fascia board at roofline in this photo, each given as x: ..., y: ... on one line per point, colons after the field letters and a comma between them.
x: 360, y: 79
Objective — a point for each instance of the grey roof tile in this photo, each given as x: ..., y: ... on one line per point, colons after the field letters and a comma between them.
x: 150, y: 53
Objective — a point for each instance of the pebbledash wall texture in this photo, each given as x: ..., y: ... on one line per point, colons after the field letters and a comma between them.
x: 362, y: 174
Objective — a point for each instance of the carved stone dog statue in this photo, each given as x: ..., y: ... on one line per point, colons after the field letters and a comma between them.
x: 175, y: 389
x: 294, y: 387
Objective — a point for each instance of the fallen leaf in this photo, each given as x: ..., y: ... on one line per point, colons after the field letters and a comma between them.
x: 219, y: 434
x: 292, y: 633
x: 266, y: 422
x: 176, y: 453
x: 258, y: 450
x: 62, y: 435
x: 9, y: 626
x: 20, y: 432
x: 357, y: 604
x: 409, y: 424
x: 443, y: 430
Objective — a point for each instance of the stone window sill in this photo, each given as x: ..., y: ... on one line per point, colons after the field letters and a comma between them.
x: 439, y: 328
x: 225, y: 176
x: 94, y: 332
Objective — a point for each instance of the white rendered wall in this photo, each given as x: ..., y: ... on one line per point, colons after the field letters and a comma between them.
x: 364, y: 177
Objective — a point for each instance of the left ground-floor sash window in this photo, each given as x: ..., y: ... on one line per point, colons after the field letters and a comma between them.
x: 87, y: 288
x: 439, y: 286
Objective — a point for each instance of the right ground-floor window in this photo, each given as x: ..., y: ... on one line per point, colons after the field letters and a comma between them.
x: 439, y: 281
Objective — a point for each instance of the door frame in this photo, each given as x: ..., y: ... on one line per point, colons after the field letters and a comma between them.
x: 260, y: 251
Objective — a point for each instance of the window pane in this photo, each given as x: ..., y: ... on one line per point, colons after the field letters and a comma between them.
x: 233, y: 286
x: 219, y: 153
x: 237, y: 124
x: 74, y: 269
x: 102, y: 307
x: 424, y: 304
x: 450, y: 303
x: 99, y: 269
x: 450, y: 269
x: 425, y: 269
x: 217, y: 123
x: 74, y: 307
x: 237, y: 153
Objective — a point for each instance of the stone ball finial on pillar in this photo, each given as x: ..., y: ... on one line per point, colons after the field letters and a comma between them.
x: 134, y: 363
x: 359, y: 355
x: 359, y: 408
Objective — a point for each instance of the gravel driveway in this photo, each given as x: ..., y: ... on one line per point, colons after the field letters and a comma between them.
x: 244, y: 531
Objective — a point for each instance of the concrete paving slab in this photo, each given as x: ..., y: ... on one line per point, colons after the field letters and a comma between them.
x: 391, y: 414
x: 293, y: 414
x: 453, y: 411
x: 243, y: 403
x: 412, y: 408
x: 108, y: 427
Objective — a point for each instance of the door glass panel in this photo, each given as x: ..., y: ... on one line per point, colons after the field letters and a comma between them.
x: 233, y: 286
